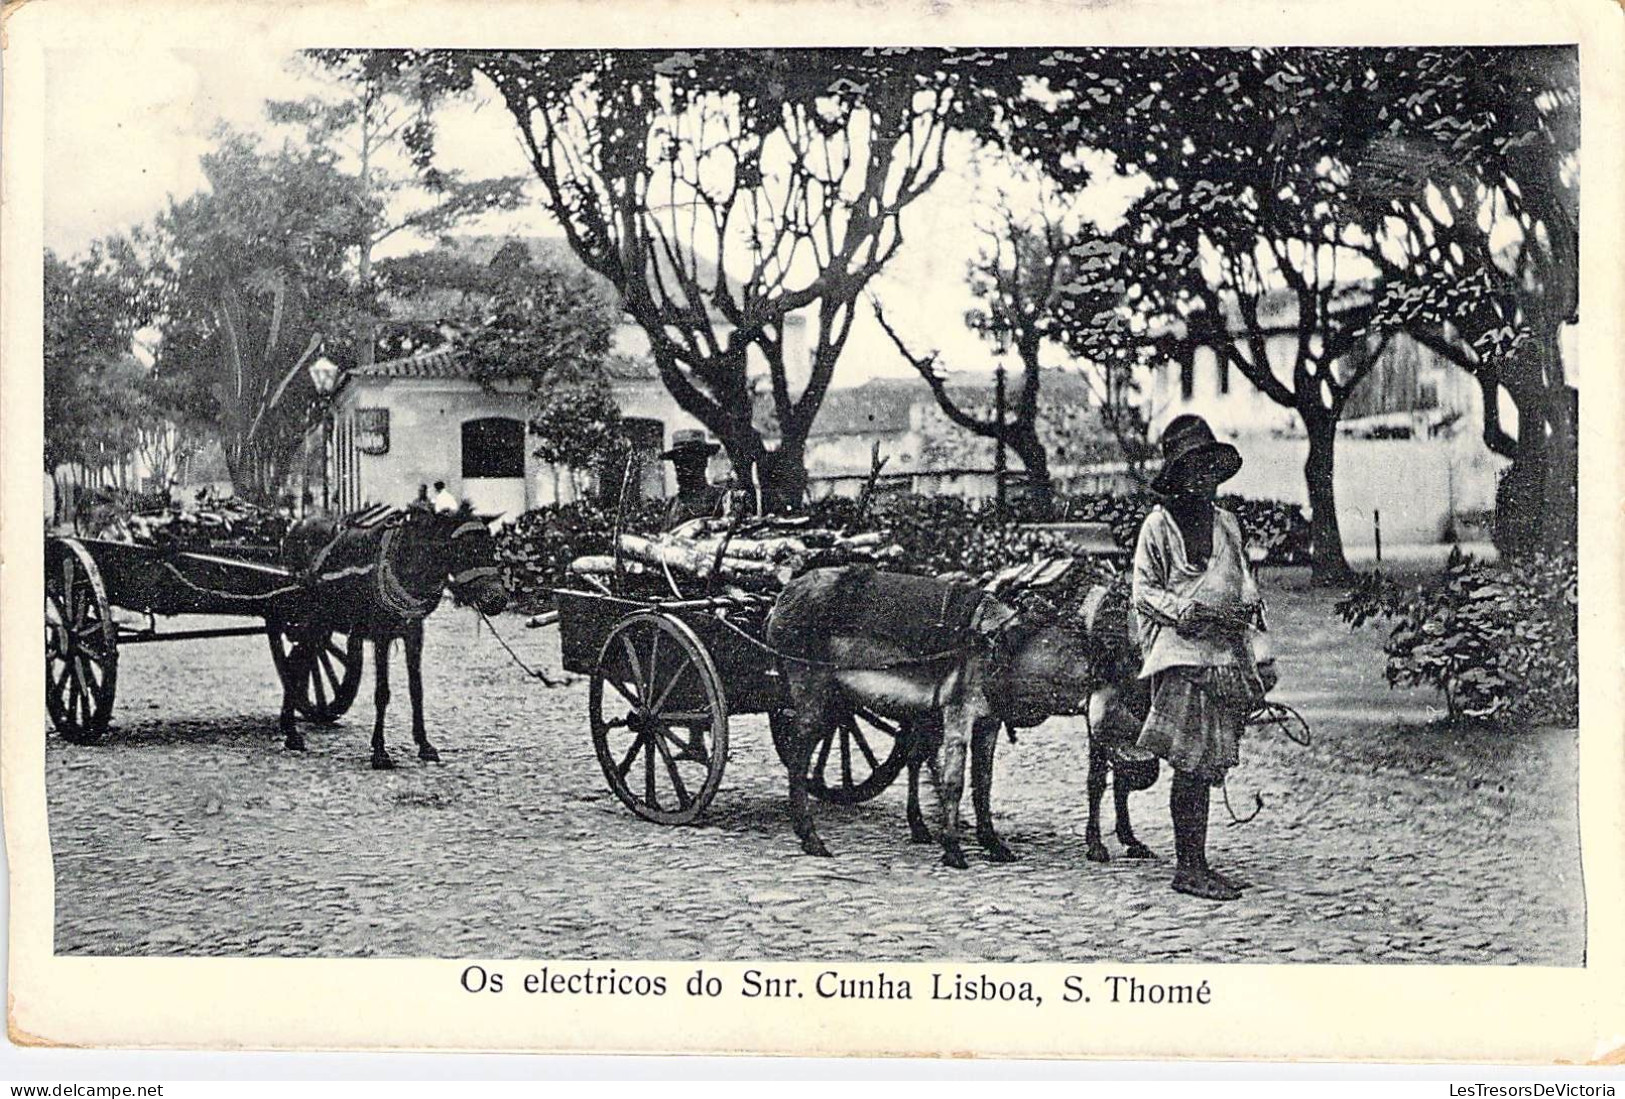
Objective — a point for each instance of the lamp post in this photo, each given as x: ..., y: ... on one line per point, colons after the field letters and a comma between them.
x: 1001, y: 346
x: 324, y: 375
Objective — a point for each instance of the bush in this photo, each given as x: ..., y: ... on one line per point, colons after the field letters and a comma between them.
x: 534, y: 552
x: 1500, y: 641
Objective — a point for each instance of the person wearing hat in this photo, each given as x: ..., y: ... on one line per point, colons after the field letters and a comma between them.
x: 1196, y: 609
x: 696, y: 498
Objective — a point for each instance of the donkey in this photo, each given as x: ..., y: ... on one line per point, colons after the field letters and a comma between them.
x: 951, y: 658
x: 380, y: 582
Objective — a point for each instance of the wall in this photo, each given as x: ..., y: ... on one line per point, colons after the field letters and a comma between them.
x: 1417, y: 484
x: 425, y: 441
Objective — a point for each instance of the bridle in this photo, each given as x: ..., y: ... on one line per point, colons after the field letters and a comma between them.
x: 464, y: 577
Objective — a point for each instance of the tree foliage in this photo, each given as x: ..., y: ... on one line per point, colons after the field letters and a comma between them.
x: 258, y: 285
x: 375, y: 120
x: 720, y: 192
x: 101, y: 404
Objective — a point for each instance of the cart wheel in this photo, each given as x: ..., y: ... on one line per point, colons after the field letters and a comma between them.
x: 81, y: 643
x: 659, y: 718
x: 858, y: 756
x: 324, y: 669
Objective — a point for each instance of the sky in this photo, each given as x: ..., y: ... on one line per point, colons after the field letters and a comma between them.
x: 118, y: 148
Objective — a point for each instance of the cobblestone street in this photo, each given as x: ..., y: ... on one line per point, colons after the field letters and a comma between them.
x: 190, y: 831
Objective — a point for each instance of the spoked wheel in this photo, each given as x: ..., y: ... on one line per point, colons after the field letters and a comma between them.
x: 659, y: 718
x: 81, y: 644
x: 322, y: 666
x: 857, y: 756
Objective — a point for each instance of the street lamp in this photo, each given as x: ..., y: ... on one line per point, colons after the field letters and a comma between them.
x: 324, y: 375
x: 1001, y: 348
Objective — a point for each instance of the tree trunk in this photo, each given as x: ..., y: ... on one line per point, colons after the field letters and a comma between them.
x: 1041, y: 489
x: 784, y: 478
x: 1520, y: 497
x: 1560, y: 510
x: 1328, y: 565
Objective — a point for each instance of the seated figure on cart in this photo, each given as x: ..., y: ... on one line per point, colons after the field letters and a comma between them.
x: 697, y: 497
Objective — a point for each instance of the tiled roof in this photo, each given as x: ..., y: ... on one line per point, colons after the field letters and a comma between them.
x: 442, y: 362
x: 445, y: 362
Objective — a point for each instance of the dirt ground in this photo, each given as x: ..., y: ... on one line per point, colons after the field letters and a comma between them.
x: 189, y: 831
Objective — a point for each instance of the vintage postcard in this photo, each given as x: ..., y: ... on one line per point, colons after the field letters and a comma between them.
x: 1057, y: 530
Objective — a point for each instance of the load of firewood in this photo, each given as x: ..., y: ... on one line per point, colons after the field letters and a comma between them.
x: 720, y: 556
x: 210, y: 523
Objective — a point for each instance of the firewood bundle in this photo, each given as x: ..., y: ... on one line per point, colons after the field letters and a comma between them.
x: 717, y: 556
x: 218, y: 523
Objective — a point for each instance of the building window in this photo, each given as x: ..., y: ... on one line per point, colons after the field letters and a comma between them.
x: 493, y: 447
x: 1187, y: 376
x: 1224, y: 375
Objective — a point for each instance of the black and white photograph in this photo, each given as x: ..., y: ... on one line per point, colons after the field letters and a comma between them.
x: 943, y: 504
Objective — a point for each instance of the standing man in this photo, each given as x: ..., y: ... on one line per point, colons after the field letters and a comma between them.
x: 444, y: 501
x: 1196, y: 603
x: 696, y: 498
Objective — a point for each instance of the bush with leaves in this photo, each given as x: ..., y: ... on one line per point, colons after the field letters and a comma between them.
x: 1500, y: 641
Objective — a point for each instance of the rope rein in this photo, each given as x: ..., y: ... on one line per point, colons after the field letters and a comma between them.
x: 534, y: 673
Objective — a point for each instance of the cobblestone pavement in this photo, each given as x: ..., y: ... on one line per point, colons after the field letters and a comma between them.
x: 190, y: 831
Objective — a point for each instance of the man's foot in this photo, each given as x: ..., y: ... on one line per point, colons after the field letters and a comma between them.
x: 1226, y: 880
x: 1198, y: 884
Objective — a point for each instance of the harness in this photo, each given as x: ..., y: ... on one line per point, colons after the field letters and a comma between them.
x: 392, y: 594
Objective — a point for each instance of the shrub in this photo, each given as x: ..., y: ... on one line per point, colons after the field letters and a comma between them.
x: 1500, y: 641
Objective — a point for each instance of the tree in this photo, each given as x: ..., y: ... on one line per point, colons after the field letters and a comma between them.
x: 377, y: 117
x: 100, y: 403
x: 576, y: 425
x: 258, y: 284
x: 720, y: 192
x: 1033, y: 256
x: 1246, y: 151
x: 535, y: 322
x: 1473, y: 195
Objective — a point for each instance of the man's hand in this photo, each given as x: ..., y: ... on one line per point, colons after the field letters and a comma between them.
x: 1267, y: 676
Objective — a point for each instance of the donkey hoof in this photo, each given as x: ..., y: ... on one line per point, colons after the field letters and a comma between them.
x: 1097, y: 853
x: 921, y: 834
x: 955, y: 859
x: 1001, y: 853
x: 428, y: 754
x: 1138, y: 850
x: 815, y: 847
x: 382, y: 763
x: 294, y: 744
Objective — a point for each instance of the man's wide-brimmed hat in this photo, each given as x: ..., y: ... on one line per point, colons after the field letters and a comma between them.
x: 689, y: 443
x: 1187, y: 443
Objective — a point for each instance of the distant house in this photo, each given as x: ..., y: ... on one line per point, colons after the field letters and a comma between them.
x: 1414, y: 412
x: 421, y: 417
x: 927, y: 452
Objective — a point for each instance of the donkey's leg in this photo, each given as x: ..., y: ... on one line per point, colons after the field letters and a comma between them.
x: 927, y: 737
x: 414, y: 687
x: 956, y: 732
x: 380, y: 699
x: 1099, y: 764
x: 1132, y: 847
x: 984, y: 740
x: 808, y: 696
x: 292, y: 739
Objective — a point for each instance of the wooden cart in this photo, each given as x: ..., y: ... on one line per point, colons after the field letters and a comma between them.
x: 85, y: 579
x: 666, y: 677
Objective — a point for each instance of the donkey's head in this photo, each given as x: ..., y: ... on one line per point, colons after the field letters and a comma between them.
x: 1046, y: 664
x: 463, y: 554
